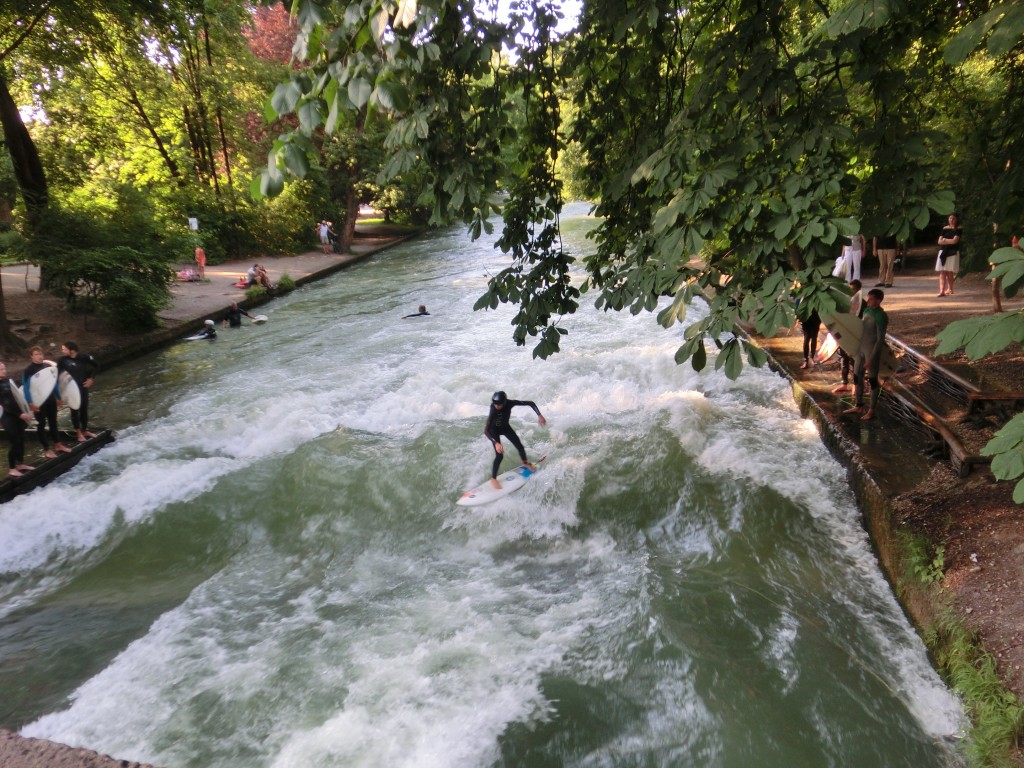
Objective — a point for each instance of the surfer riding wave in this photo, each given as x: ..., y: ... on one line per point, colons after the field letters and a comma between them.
x: 498, y: 426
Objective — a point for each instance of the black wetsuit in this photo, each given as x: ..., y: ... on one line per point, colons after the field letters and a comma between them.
x: 46, y: 416
x: 234, y: 316
x: 498, y: 426
x: 13, y: 424
x: 81, y: 367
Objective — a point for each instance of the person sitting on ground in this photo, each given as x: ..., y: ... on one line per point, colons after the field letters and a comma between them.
x: 14, y: 422
x: 875, y: 323
x: 83, y: 369
x: 422, y: 311
x: 497, y: 427
x: 209, y: 331
x: 262, y: 278
x: 233, y: 317
x: 46, y: 411
x: 251, y: 275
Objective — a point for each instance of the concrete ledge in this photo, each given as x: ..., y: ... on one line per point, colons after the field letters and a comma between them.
x: 18, y: 752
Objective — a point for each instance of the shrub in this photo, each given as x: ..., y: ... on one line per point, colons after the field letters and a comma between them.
x: 255, y: 292
x: 286, y: 283
x: 126, y: 285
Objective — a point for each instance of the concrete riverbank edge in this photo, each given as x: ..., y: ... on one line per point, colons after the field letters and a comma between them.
x: 173, y: 330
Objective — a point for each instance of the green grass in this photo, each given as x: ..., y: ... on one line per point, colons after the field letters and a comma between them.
x: 996, y: 714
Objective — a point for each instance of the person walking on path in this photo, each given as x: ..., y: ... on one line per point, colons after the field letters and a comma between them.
x: 810, y: 325
x: 884, y: 249
x: 948, y: 262
x: 845, y: 360
x: 201, y: 262
x: 83, y: 369
x: 497, y: 427
x: 853, y: 254
x: 875, y: 323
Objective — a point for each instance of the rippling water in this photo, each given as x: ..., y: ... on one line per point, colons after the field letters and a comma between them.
x: 267, y: 568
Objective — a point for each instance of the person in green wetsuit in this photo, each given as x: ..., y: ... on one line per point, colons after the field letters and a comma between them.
x: 869, y: 354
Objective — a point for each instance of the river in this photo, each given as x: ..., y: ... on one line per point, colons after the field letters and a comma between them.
x: 267, y: 567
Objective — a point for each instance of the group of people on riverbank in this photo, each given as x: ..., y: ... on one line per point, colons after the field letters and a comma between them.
x: 865, y: 358
x: 19, y: 409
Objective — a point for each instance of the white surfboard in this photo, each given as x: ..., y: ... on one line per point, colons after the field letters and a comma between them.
x: 259, y: 319
x: 19, y: 397
x: 42, y: 383
x: 827, y: 348
x: 846, y: 329
x: 70, y: 394
x: 510, y: 481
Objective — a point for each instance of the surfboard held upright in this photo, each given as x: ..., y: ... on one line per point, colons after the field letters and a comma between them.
x: 510, y: 481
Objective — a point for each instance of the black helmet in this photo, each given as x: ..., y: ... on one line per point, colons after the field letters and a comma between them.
x: 499, y: 397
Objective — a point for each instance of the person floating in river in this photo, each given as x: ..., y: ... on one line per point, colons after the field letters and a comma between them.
x: 420, y: 313
x: 498, y: 426
x: 208, y: 332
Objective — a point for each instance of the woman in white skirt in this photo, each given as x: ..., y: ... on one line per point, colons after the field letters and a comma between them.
x: 947, y: 264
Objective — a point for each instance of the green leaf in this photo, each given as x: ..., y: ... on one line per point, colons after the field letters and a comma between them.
x: 674, y: 312
x: 359, y: 90
x: 379, y: 28
x: 295, y: 161
x: 284, y: 98
x: 309, y: 115
x: 980, y: 336
x: 731, y: 359
x: 307, y: 13
x: 406, y: 14
x: 756, y: 356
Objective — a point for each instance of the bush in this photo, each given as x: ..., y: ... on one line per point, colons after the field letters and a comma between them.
x: 255, y: 292
x: 126, y: 285
x: 286, y: 283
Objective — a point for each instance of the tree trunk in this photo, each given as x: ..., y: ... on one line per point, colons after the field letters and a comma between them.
x: 348, y: 226
x: 28, y: 169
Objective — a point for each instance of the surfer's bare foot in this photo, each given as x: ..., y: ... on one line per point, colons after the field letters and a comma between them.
x: 60, y: 447
x: 89, y: 434
x: 805, y: 364
x: 14, y: 473
x: 855, y: 409
x: 841, y: 388
x: 25, y: 467
x: 495, y: 484
x: 868, y: 415
x: 50, y: 455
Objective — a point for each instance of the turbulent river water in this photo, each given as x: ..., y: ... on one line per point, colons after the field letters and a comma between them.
x: 267, y: 567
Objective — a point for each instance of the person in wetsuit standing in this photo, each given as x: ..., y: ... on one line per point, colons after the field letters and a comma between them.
x: 498, y: 426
